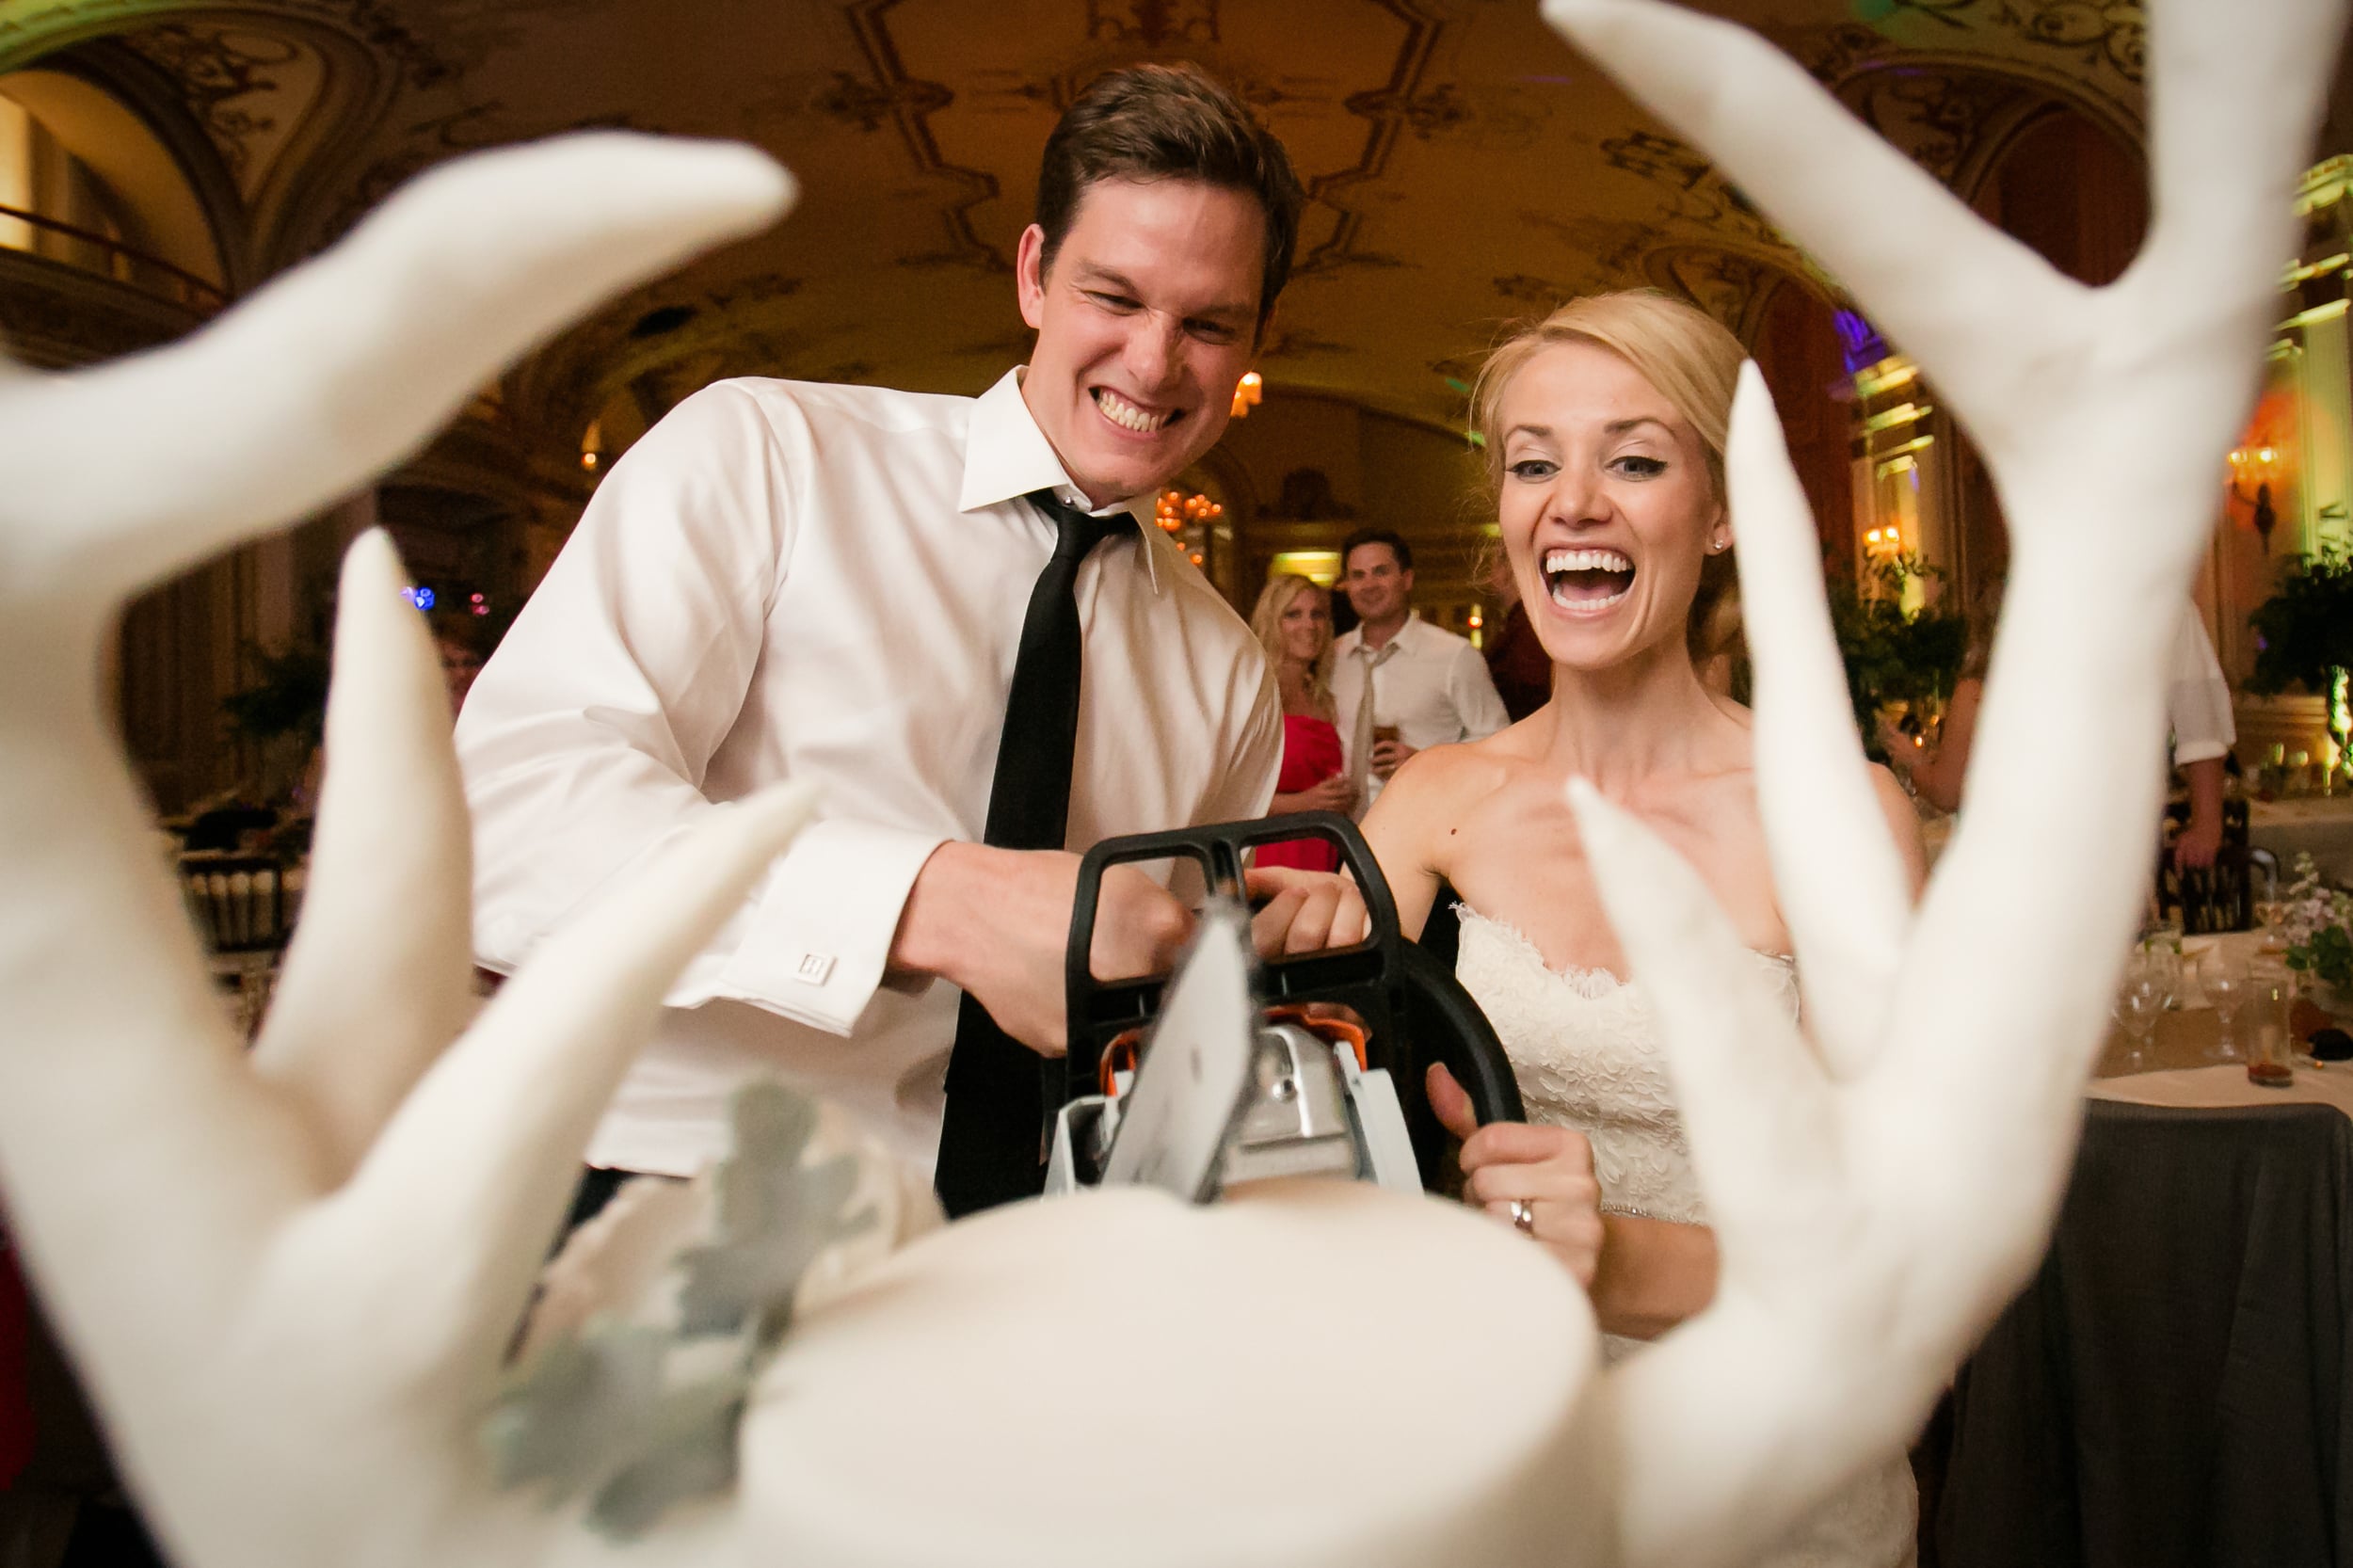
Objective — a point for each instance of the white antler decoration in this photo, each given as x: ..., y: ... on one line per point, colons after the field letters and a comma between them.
x: 1878, y: 1202
x: 261, y: 1265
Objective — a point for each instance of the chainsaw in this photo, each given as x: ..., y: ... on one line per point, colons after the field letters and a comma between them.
x: 1235, y: 1069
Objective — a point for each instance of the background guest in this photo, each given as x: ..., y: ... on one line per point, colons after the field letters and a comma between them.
x: 1517, y: 662
x: 1293, y: 620
x: 462, y: 658
x: 2197, y: 707
x: 1402, y: 686
x: 1934, y: 775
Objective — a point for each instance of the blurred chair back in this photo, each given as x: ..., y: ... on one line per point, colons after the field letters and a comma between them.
x: 2220, y: 897
x: 240, y: 903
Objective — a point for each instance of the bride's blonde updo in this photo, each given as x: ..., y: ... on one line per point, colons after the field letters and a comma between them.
x: 1682, y: 352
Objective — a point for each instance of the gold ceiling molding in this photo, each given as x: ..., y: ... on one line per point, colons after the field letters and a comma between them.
x: 1293, y: 344
x: 2095, y: 34
x: 657, y: 339
x: 2108, y: 36
x: 965, y: 149
x: 1465, y: 166
x: 1402, y: 106
x: 911, y: 104
x: 1953, y: 119
x: 2088, y: 53
x: 429, y: 139
x: 1733, y: 287
x: 1693, y: 192
x: 248, y: 89
x: 1152, y: 24
x: 31, y: 28
x: 1608, y: 250
x: 284, y: 92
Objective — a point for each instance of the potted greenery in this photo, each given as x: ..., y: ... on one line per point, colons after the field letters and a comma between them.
x: 282, y: 715
x: 1894, y: 657
x: 2304, y: 636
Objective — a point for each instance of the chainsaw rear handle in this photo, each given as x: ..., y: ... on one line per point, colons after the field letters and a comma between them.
x: 1461, y: 1039
x: 1417, y: 1011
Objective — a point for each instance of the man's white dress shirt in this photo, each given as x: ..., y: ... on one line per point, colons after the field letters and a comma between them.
x: 2197, y: 698
x: 787, y: 579
x: 1426, y: 680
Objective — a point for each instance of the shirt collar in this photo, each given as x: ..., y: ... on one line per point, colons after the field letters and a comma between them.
x: 1006, y: 457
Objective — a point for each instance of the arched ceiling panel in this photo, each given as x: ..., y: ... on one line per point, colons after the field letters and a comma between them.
x: 1468, y: 168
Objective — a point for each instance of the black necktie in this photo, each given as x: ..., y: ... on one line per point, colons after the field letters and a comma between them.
x: 988, y: 1139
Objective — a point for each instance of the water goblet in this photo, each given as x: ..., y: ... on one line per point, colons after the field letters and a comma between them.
x: 2163, y: 959
x: 2145, y: 994
x: 2271, y: 917
x: 2224, y: 979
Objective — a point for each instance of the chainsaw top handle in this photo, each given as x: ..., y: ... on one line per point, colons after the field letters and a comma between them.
x: 1416, y: 1010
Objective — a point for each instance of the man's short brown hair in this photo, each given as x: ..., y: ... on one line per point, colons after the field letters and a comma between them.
x: 1169, y: 122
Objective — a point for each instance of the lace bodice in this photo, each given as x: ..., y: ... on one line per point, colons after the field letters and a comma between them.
x: 1587, y: 1057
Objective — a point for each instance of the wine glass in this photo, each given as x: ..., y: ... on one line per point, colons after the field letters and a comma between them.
x: 2159, y: 954
x: 2146, y: 993
x: 2224, y: 979
x: 2271, y: 917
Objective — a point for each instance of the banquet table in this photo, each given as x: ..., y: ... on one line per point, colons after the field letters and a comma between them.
x: 2318, y: 825
x: 2175, y: 1385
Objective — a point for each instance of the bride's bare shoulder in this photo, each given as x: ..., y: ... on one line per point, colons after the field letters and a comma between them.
x: 1416, y: 821
x: 1447, y: 776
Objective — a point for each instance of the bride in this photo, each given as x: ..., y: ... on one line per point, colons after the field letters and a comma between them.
x: 1604, y: 429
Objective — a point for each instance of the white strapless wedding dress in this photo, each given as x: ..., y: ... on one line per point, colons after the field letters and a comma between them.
x: 1587, y: 1057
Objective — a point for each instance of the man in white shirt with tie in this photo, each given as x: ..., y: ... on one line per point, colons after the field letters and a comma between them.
x: 1400, y: 684
x: 842, y: 585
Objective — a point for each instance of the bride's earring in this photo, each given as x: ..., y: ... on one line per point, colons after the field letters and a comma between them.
x: 1719, y: 544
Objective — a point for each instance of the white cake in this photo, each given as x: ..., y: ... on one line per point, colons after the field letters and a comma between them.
x: 1306, y: 1395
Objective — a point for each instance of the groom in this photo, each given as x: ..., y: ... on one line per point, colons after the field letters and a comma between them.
x: 953, y: 614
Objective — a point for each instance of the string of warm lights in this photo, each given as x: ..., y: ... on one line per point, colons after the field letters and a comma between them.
x: 1176, y: 511
x: 2263, y: 459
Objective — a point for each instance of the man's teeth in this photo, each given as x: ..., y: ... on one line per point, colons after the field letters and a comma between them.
x: 1126, y: 415
x: 1558, y: 561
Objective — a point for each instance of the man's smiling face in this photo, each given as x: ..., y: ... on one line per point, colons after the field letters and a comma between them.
x: 1145, y: 321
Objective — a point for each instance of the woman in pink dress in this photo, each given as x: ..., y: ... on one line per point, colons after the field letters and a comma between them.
x: 1293, y: 621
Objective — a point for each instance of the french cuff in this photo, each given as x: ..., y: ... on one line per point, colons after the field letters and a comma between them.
x: 821, y: 927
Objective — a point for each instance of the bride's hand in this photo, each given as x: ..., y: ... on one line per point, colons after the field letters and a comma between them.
x: 1306, y: 911
x: 1546, y: 1171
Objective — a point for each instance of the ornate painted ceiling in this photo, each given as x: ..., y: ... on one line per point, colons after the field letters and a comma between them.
x: 1465, y: 167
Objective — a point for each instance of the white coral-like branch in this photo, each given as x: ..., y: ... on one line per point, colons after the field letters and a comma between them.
x: 1879, y: 1196
x: 284, y: 1271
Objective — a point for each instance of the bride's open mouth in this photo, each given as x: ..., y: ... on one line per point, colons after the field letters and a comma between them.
x: 1587, y: 582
